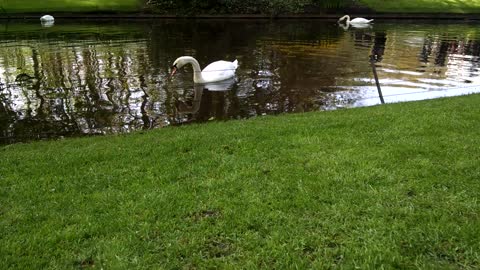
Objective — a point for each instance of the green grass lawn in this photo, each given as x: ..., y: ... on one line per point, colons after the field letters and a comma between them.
x: 419, y: 6
x: 384, y: 187
x: 398, y: 6
x: 49, y: 6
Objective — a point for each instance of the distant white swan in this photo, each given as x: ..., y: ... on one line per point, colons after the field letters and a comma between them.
x: 47, y: 18
x: 354, y: 21
x: 355, y: 25
x: 214, y: 72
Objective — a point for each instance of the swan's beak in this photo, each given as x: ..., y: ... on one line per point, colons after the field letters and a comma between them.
x: 174, y: 69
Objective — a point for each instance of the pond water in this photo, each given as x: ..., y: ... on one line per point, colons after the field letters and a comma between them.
x: 87, y: 78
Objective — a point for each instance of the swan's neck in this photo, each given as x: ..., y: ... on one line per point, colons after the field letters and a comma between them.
x: 197, y: 72
x: 346, y: 17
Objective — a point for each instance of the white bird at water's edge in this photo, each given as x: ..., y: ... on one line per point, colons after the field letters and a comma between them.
x: 47, y: 18
x: 214, y: 72
x: 355, y: 21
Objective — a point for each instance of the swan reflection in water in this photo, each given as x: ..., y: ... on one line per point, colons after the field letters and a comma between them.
x: 47, y: 24
x: 183, y: 108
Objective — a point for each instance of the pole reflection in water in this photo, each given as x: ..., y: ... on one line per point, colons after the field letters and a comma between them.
x: 378, y: 50
x: 104, y: 78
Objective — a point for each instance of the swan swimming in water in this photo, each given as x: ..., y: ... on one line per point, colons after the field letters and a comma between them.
x: 354, y: 21
x: 47, y: 18
x: 214, y: 72
x: 356, y: 26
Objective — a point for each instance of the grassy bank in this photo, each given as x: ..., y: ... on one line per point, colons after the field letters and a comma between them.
x: 50, y: 6
x: 424, y: 6
x: 184, y: 7
x: 316, y: 6
x: 393, y: 186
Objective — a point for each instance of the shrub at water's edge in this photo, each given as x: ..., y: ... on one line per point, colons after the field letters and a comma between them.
x: 424, y: 6
x: 312, y: 6
x: 247, y: 6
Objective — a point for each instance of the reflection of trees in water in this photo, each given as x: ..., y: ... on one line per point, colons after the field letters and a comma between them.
x: 72, y: 88
x: 438, y: 49
x: 458, y: 57
x: 441, y: 56
x: 379, y: 43
x: 472, y: 47
x: 97, y: 84
x: 41, y: 114
x: 427, y: 49
x: 292, y: 70
x: 273, y: 80
x: 445, y: 59
x: 7, y: 114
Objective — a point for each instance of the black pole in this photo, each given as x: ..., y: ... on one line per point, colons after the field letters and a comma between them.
x: 377, y: 55
x: 375, y: 75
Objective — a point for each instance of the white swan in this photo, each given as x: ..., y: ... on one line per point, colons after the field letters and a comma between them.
x: 214, y: 72
x: 357, y: 25
x: 355, y: 21
x: 47, y: 18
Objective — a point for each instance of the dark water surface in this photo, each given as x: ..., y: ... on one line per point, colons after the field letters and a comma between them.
x: 86, y: 78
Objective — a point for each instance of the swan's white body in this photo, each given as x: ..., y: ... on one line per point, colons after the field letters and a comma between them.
x: 355, y: 21
x: 47, y: 18
x: 214, y: 72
